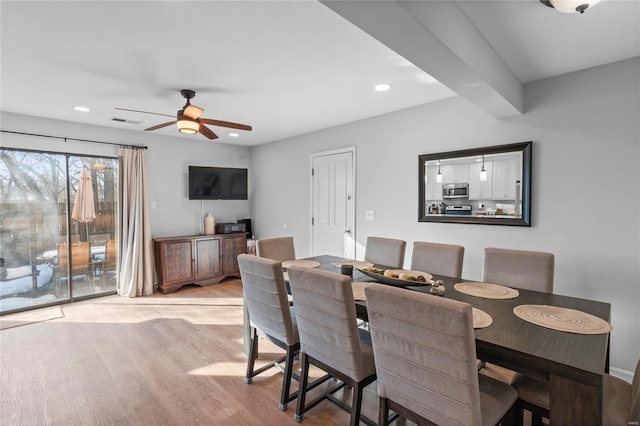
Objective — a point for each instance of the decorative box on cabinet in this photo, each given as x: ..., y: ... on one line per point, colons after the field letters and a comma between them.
x: 197, y: 259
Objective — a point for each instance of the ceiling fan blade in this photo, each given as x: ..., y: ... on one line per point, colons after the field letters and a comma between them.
x: 207, y: 132
x: 160, y: 126
x: 144, y: 112
x: 192, y: 112
x: 225, y: 124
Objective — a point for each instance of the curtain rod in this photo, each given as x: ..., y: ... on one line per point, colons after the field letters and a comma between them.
x: 77, y: 140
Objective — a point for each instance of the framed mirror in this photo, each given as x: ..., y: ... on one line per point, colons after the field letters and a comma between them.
x: 489, y: 186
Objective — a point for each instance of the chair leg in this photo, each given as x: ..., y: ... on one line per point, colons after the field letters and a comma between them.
x: 536, y: 420
x: 509, y: 417
x: 286, y: 380
x: 253, y: 355
x: 302, y: 391
x: 356, y: 404
x: 383, y: 412
x: 518, y: 413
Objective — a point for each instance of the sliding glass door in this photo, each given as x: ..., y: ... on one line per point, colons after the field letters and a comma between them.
x: 58, y: 228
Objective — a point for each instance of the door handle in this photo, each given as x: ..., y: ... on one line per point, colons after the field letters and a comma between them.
x: 347, y: 231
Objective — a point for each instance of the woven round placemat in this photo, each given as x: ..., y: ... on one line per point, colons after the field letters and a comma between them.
x: 486, y: 290
x: 481, y: 319
x: 355, y: 263
x: 301, y: 262
x: 562, y: 319
x: 358, y: 290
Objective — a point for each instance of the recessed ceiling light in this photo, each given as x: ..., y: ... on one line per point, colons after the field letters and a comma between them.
x: 81, y: 109
x: 234, y: 135
x: 383, y: 87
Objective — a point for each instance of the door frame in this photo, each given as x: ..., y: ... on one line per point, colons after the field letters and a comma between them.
x: 312, y: 156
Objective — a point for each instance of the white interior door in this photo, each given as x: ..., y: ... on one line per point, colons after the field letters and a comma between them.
x: 333, y: 199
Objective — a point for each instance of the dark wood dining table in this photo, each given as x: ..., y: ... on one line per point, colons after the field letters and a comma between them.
x: 572, y: 363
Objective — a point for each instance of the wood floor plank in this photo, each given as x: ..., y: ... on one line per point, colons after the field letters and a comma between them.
x: 174, y: 359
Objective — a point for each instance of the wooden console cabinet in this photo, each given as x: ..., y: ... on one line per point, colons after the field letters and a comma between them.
x: 197, y: 259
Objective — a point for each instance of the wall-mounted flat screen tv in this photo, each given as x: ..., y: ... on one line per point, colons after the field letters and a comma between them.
x: 217, y: 183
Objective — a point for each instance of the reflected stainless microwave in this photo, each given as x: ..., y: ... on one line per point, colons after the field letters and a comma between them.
x: 455, y: 190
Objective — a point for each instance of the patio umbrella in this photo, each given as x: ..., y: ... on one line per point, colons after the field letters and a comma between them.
x: 84, y: 209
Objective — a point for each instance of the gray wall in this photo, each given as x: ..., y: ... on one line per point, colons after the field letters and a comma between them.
x: 586, y: 194
x: 586, y: 160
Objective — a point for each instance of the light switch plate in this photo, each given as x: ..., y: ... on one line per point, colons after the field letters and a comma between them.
x: 369, y: 215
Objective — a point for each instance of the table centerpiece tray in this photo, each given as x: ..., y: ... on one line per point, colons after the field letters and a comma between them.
x: 397, y: 281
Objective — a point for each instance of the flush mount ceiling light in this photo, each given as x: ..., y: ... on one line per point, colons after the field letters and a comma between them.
x: 383, y: 87
x: 570, y: 6
x: 81, y: 108
x: 234, y: 135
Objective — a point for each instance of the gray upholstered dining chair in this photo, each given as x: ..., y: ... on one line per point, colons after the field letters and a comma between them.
x: 330, y: 338
x: 436, y: 258
x: 279, y: 248
x: 425, y: 354
x: 265, y: 297
x: 529, y: 270
x: 620, y: 399
x: 385, y: 251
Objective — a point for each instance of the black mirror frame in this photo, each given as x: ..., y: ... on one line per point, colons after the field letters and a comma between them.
x: 524, y: 147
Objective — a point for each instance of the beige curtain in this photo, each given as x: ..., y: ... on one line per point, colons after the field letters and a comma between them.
x: 135, y: 274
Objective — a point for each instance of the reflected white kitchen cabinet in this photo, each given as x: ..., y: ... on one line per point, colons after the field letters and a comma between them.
x: 434, y: 189
x: 478, y: 189
x: 455, y: 173
x: 505, y: 174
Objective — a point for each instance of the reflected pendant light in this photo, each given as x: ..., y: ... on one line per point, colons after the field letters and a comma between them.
x: 439, y: 175
x: 570, y: 6
x: 483, y: 172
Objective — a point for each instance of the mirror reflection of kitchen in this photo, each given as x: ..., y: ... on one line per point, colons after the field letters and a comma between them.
x: 483, y: 185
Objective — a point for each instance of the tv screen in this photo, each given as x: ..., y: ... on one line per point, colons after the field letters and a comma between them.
x: 217, y: 183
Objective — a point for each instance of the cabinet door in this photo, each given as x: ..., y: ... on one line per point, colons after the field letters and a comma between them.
x: 207, y: 258
x: 455, y: 173
x: 176, y: 261
x: 504, y: 179
x: 462, y: 173
x: 478, y: 189
x: 231, y: 248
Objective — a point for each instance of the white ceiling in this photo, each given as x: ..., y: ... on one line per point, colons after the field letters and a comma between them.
x: 283, y: 67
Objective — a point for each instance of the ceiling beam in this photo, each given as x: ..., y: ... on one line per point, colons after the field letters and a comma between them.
x: 439, y: 38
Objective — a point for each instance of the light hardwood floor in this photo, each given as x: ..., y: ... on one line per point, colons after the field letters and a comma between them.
x: 173, y: 359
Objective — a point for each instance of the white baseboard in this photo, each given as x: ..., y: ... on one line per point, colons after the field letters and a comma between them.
x: 620, y: 373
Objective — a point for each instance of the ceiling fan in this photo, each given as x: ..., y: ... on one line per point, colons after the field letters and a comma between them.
x: 189, y: 121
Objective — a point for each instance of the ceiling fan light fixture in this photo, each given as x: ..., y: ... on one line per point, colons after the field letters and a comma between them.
x: 188, y: 119
x: 192, y: 111
x: 570, y: 6
x: 187, y: 126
